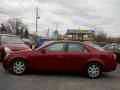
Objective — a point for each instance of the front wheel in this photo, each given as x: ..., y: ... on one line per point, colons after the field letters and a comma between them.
x: 93, y: 70
x: 19, y: 67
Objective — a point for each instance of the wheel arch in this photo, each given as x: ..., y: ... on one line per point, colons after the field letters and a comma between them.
x: 21, y: 58
x: 94, y: 61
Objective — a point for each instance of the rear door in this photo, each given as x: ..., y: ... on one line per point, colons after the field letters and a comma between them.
x: 76, y: 57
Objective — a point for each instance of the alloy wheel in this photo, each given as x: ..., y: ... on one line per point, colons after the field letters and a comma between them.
x: 93, y: 70
x: 19, y: 67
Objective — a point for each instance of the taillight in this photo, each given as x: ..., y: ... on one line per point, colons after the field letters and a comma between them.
x: 115, y: 56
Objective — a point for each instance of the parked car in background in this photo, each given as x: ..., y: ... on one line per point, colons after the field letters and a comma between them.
x: 62, y: 56
x: 101, y: 44
x: 11, y: 43
x: 27, y: 42
x: 115, y: 48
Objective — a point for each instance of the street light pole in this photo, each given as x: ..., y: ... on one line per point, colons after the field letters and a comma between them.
x: 36, y: 19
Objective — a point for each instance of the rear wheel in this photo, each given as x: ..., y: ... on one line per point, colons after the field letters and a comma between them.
x: 19, y: 67
x: 93, y: 70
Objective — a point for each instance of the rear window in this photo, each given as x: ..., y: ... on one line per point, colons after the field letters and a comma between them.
x: 97, y: 47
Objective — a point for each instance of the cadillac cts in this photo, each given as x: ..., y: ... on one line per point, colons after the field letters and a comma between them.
x: 61, y: 56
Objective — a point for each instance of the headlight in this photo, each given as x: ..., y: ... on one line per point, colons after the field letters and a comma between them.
x: 7, y: 50
x: 115, y: 56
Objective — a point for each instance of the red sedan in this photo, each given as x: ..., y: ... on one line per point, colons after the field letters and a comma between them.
x: 63, y: 56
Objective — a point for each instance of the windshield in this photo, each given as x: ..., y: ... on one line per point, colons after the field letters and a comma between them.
x: 45, y: 43
x: 11, y: 40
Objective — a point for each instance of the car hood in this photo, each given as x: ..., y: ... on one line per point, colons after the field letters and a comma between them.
x: 16, y: 47
x: 22, y: 53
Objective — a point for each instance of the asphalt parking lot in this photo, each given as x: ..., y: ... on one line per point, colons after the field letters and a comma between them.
x: 50, y: 81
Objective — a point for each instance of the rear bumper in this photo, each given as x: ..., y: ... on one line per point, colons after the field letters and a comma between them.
x: 110, y: 67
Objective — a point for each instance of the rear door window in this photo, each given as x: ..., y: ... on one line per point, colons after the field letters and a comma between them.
x: 75, y: 47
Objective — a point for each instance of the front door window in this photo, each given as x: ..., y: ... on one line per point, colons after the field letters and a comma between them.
x: 58, y: 47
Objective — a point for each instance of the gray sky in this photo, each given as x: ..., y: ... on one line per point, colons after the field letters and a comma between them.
x: 90, y: 14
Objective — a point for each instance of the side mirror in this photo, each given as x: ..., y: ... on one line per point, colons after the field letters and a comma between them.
x: 43, y: 51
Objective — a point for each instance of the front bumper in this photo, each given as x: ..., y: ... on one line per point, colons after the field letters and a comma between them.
x: 5, y: 64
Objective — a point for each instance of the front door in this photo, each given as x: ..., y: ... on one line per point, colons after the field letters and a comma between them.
x: 53, y: 57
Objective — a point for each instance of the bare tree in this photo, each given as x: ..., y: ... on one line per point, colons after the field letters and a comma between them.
x: 101, y: 35
x: 26, y: 33
x: 5, y: 29
x: 17, y: 26
x: 21, y: 32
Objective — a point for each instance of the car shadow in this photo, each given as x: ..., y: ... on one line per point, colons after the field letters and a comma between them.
x: 44, y: 73
x: 104, y: 76
x: 69, y: 75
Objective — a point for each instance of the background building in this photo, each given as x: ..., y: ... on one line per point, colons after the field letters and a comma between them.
x: 80, y: 34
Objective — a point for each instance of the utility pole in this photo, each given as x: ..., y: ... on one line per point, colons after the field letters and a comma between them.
x: 47, y: 33
x: 37, y: 17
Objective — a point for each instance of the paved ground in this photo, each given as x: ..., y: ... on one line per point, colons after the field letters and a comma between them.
x: 37, y: 81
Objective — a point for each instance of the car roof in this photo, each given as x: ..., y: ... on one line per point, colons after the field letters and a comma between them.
x: 62, y: 41
x: 65, y: 41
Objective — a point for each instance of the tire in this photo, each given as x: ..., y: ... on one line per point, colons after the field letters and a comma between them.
x: 19, y: 67
x: 93, y: 70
